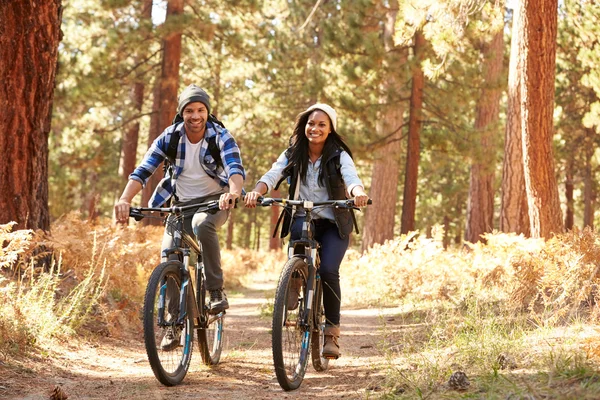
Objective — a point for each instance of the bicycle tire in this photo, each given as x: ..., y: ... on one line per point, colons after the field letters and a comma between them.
x: 290, y: 341
x: 319, y: 362
x: 169, y: 366
x: 210, y: 339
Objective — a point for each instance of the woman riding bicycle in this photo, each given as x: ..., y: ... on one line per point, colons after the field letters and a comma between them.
x: 319, y: 166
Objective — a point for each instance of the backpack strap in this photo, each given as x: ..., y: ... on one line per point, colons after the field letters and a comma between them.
x: 213, y: 148
x: 214, y: 151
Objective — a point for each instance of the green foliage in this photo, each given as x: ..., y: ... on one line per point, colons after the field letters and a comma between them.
x: 263, y: 62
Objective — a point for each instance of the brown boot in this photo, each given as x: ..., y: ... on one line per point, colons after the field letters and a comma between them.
x: 331, y: 348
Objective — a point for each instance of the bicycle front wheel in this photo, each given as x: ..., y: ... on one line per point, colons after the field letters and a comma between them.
x: 168, y: 344
x: 290, y: 339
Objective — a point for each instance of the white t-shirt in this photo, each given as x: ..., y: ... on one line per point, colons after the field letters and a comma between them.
x: 194, y: 182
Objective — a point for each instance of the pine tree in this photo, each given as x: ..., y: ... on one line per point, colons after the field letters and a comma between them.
x: 514, y: 215
x: 29, y: 37
x: 537, y: 50
x: 480, y: 206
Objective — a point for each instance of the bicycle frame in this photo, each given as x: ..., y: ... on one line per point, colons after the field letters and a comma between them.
x: 310, y: 248
x: 184, y: 244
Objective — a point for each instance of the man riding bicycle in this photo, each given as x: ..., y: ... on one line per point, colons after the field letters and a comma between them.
x: 197, y: 176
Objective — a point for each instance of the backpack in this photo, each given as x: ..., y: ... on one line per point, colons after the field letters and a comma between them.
x: 171, y: 152
x: 213, y: 149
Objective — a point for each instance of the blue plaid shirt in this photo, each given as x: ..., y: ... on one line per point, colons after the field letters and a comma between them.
x: 156, y: 154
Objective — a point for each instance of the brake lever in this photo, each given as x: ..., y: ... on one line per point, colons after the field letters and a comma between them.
x: 136, y: 214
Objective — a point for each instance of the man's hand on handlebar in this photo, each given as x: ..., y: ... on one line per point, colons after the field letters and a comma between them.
x: 122, y: 211
x: 228, y: 200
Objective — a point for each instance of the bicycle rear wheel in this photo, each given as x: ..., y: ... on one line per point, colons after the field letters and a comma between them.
x: 210, y: 339
x: 290, y: 340
x: 169, y: 359
x: 319, y: 362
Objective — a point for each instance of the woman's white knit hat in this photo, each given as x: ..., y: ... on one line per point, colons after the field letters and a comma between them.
x: 327, y: 109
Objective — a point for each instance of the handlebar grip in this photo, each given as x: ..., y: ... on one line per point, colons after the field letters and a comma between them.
x: 136, y: 214
x: 370, y: 201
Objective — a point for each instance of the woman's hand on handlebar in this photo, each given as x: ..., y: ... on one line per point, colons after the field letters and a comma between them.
x: 122, y: 211
x: 360, y: 197
x: 251, y: 198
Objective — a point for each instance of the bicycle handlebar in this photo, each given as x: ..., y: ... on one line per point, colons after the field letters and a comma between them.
x: 268, y: 201
x: 138, y: 212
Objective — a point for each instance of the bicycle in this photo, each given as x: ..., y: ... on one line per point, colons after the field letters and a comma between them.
x: 171, y: 363
x: 297, y: 329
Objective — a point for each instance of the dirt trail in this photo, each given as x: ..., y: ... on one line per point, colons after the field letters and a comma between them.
x: 118, y: 369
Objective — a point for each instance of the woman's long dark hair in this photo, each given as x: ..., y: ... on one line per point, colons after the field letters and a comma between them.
x: 299, y: 145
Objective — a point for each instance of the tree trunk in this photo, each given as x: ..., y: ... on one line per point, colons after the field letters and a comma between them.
x: 589, y: 193
x: 216, y: 100
x: 538, y: 23
x: 274, y: 240
x: 164, y: 104
x: 409, y: 202
x: 379, y: 218
x: 169, y: 78
x: 166, y: 98
x: 153, y: 133
x: 130, y: 141
x: 29, y: 37
x: 230, y: 224
x: 514, y: 216
x: 569, y: 186
x: 480, y: 206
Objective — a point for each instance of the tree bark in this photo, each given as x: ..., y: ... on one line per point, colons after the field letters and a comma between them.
x: 129, y: 143
x: 29, y: 37
x: 379, y: 218
x: 514, y: 215
x: 230, y: 224
x: 589, y: 192
x: 409, y: 202
x: 167, y: 86
x: 480, y: 206
x: 274, y: 239
x: 569, y: 188
x: 165, y: 95
x: 538, y: 22
x: 153, y: 133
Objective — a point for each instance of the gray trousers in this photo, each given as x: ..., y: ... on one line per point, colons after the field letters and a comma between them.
x: 204, y: 227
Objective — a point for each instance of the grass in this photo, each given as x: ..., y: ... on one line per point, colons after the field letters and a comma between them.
x: 518, y: 316
x: 34, y: 313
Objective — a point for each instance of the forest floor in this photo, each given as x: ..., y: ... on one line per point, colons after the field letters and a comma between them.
x: 110, y: 368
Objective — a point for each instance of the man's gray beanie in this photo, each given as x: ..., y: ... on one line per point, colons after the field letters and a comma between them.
x: 191, y: 94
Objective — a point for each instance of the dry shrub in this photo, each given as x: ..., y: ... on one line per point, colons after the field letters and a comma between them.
x: 16, y: 246
x: 130, y: 254
x: 562, y: 279
x: 418, y: 267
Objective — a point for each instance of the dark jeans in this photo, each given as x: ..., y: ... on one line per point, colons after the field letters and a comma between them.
x: 333, y: 249
x: 203, y: 226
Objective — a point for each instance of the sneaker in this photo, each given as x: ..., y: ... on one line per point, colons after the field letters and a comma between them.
x: 171, y: 340
x: 294, y: 293
x: 218, y: 301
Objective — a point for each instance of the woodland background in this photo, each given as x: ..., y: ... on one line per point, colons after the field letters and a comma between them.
x: 474, y: 126
x: 475, y: 115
